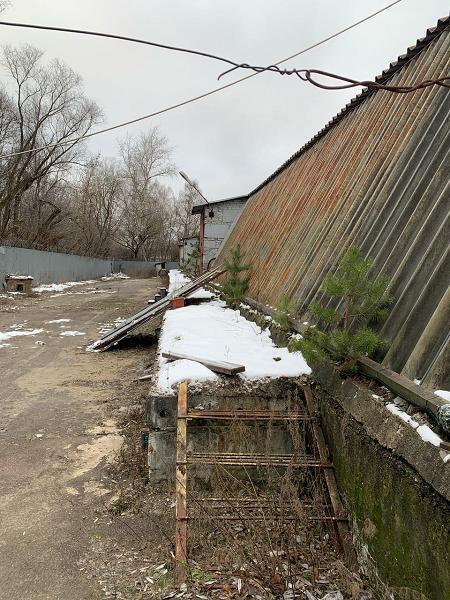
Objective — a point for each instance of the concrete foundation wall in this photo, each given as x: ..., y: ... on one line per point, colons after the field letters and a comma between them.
x: 55, y: 267
x: 396, y: 488
x: 395, y: 485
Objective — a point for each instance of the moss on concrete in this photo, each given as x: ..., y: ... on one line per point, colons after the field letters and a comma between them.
x: 401, y: 522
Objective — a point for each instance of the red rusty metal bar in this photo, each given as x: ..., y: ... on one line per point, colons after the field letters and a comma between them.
x: 336, y: 502
x: 255, y: 460
x: 249, y: 415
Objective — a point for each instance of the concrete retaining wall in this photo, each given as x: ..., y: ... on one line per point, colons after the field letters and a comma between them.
x: 396, y: 488
x: 55, y: 267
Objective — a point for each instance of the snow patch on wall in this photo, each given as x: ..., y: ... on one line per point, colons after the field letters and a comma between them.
x: 424, y: 431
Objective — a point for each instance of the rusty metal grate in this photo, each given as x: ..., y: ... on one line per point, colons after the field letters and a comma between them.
x: 253, y: 509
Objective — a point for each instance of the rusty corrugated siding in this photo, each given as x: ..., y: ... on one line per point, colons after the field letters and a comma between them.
x: 377, y: 176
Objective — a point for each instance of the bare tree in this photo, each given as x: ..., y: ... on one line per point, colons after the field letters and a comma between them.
x: 46, y: 106
x: 142, y: 211
x: 43, y: 214
x: 93, y: 207
x: 4, y: 4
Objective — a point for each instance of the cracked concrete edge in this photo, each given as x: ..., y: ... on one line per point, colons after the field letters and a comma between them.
x: 387, y: 429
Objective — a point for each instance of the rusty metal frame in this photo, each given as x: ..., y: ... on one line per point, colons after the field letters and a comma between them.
x: 246, y: 506
x: 181, y: 487
x: 342, y: 527
x: 249, y: 415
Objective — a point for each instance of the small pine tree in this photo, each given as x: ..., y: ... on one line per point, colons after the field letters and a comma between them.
x: 191, y: 263
x: 237, y: 283
x: 345, y: 333
x: 285, y: 308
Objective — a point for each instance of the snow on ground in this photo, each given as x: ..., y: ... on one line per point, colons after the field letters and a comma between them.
x: 88, y: 291
x: 59, y: 321
x: 69, y: 333
x: 214, y: 332
x: 443, y: 394
x: 59, y: 287
x: 424, y: 431
x: 113, y: 276
x: 17, y: 331
x: 177, y: 280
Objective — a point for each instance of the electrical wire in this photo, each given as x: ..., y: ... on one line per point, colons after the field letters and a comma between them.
x: 178, y: 48
x: 347, y: 83
x: 184, y: 102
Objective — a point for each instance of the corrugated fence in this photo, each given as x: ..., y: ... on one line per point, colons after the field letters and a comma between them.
x: 378, y: 177
x: 55, y: 267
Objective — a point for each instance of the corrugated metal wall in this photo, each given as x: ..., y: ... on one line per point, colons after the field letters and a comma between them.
x: 379, y: 178
x: 56, y: 267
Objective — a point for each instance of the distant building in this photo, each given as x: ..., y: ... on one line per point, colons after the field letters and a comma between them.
x: 217, y: 219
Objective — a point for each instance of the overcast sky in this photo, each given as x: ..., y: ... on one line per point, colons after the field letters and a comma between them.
x: 233, y: 140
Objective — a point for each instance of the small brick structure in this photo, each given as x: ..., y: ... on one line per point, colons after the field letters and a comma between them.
x: 18, y: 283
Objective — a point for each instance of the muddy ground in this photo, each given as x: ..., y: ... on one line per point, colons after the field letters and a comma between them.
x: 60, y: 407
x: 78, y: 518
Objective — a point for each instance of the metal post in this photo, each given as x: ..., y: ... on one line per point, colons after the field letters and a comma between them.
x: 180, y: 487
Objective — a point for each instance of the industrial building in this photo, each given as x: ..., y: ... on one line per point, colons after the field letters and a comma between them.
x: 376, y: 176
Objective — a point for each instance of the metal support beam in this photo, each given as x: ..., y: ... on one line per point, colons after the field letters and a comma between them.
x: 181, y: 488
x: 342, y: 527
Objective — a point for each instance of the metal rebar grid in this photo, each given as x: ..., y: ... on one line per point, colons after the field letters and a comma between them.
x: 313, y: 460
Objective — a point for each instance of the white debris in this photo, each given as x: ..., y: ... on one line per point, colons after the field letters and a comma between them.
x: 443, y: 394
x: 424, y: 431
x: 58, y: 321
x: 71, y: 333
x: 113, y: 276
x: 333, y: 596
x: 177, y: 280
x: 59, y: 287
x: 218, y: 333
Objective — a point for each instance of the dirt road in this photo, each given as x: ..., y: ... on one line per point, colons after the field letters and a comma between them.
x: 57, y: 434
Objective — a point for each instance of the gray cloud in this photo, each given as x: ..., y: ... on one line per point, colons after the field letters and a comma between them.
x: 233, y: 140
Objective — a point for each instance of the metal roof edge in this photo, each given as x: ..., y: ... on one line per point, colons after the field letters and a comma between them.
x: 198, y: 208
x: 394, y: 67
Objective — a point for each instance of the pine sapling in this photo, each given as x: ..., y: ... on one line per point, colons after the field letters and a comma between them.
x: 285, y: 309
x: 237, y: 283
x: 345, y: 332
x: 191, y: 263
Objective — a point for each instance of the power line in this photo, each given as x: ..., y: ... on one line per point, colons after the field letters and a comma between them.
x: 184, y: 102
x: 176, y: 48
